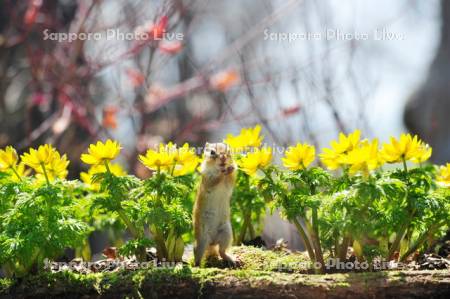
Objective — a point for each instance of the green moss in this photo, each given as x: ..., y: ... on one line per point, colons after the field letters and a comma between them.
x: 161, y: 275
x: 131, y: 284
x: 205, y: 274
x: 253, y: 258
x: 73, y: 280
x: 254, y: 273
x: 343, y: 284
x: 5, y: 284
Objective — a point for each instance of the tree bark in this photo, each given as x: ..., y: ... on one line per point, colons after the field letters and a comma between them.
x: 428, y: 110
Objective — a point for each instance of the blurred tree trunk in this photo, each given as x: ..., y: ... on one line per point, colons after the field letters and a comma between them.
x: 428, y: 110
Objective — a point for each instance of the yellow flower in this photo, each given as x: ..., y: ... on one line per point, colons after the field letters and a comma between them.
x: 56, y: 169
x: 405, y: 149
x: 101, y: 152
x: 170, y: 159
x: 8, y: 158
x: 346, y: 143
x: 46, y: 162
x: 249, y: 137
x: 20, y: 172
x: 37, y: 159
x: 257, y: 159
x: 162, y: 159
x: 333, y: 158
x: 423, y: 153
x: 444, y: 175
x: 364, y: 158
x: 299, y: 157
x: 86, y: 177
x: 186, y: 160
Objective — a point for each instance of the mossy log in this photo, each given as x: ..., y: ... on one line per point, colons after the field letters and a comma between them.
x: 258, y: 278
x: 220, y: 283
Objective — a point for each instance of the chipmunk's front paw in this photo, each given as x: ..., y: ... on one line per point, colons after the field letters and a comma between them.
x: 227, y: 170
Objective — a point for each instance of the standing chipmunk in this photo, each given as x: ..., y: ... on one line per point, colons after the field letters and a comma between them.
x: 212, y: 225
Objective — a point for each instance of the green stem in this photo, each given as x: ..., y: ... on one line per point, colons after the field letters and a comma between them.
x: 158, y: 236
x: 343, y: 248
x: 401, y: 233
x: 247, y: 216
x: 84, y: 251
x: 405, y: 167
x: 305, y: 239
x: 419, y: 242
x: 316, y: 245
x: 173, y: 168
x: 32, y: 259
x: 131, y: 227
x: 315, y: 224
x: 16, y: 173
x: 251, y: 230
x: 358, y: 250
x: 315, y: 230
x: 161, y: 249
x: 398, y: 238
x: 336, y: 245
x: 45, y: 173
x: 107, y: 166
x: 141, y: 253
x: 245, y: 224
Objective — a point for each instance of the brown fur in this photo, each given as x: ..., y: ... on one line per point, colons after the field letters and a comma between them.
x: 211, y: 215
